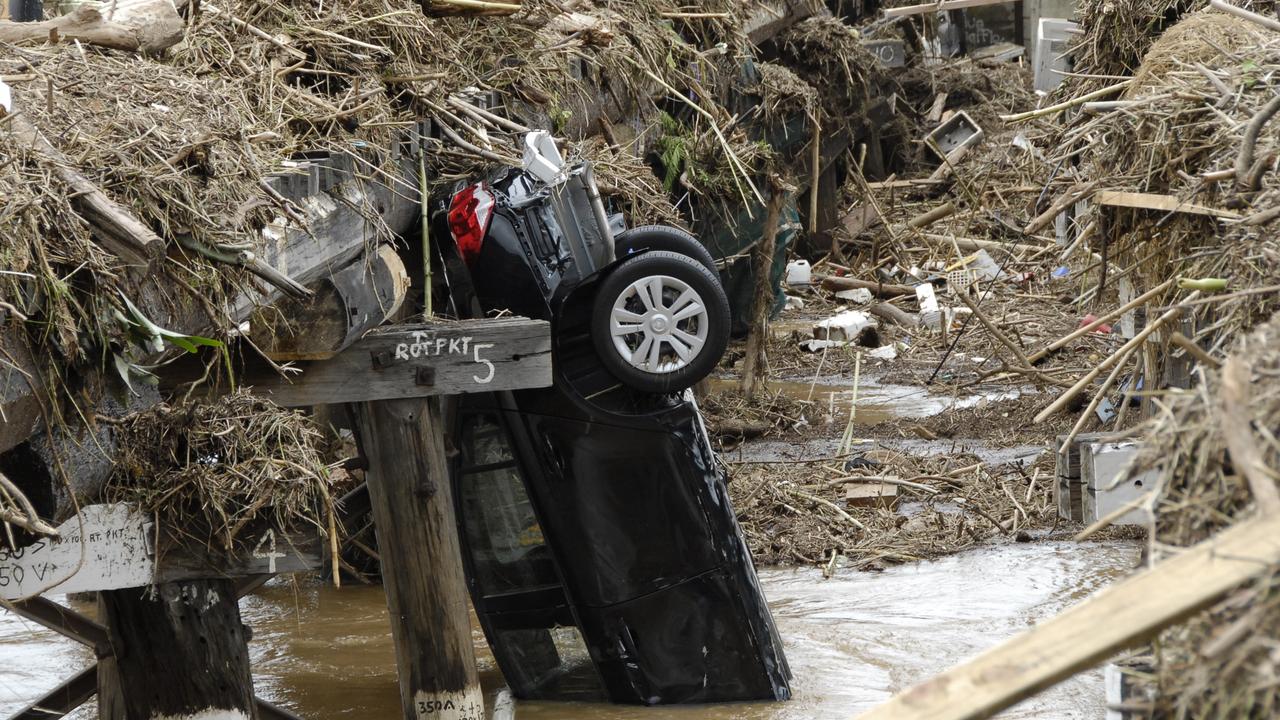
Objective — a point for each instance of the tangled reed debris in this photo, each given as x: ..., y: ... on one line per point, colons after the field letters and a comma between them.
x: 1222, y: 662
x: 205, y: 471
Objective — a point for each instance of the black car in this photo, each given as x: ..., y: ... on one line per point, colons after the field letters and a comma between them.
x: 603, y: 556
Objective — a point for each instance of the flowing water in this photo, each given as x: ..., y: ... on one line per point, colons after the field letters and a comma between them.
x: 877, y: 401
x: 852, y: 641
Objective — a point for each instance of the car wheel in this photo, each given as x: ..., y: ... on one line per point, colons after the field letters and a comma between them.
x: 660, y: 322
x: 663, y: 237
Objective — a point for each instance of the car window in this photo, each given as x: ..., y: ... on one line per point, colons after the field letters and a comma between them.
x: 503, y: 536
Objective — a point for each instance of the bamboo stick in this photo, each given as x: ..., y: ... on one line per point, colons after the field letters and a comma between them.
x: 1140, y: 300
x: 1054, y: 109
x: 1070, y: 394
x: 1249, y: 15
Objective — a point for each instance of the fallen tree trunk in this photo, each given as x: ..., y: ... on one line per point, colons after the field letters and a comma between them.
x: 135, y: 26
x: 1123, y: 615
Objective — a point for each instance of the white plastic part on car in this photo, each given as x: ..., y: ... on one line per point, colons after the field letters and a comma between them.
x: 542, y: 159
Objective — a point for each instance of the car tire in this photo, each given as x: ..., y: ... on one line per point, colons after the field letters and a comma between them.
x: 663, y: 237
x: 660, y: 322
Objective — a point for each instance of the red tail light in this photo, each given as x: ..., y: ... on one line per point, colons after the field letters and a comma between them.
x: 469, y: 215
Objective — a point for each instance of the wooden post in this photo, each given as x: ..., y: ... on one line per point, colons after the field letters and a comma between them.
x: 421, y: 558
x: 180, y: 651
x: 110, y: 695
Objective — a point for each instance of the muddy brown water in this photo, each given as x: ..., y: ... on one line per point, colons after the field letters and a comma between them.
x: 852, y: 640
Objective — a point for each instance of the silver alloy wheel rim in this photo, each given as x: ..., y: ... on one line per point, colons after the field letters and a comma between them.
x: 658, y: 324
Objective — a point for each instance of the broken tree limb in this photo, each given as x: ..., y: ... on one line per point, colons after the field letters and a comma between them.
x: 1064, y: 201
x: 1249, y: 15
x: 893, y: 314
x: 979, y: 244
x: 928, y: 218
x: 1195, y: 351
x: 1237, y: 429
x: 1000, y: 337
x: 1246, y: 180
x: 831, y: 282
x: 84, y: 24
x: 119, y: 230
x: 1145, y: 297
x: 156, y: 22
x: 438, y: 8
x: 949, y: 163
x: 1119, y: 617
x: 23, y: 514
x: 763, y: 258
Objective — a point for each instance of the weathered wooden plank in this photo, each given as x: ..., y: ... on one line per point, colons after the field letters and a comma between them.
x: 1129, y: 612
x: 411, y: 361
x: 344, y: 306
x: 1163, y: 203
x: 337, y: 230
x: 422, y: 574
x: 60, y: 701
x: 774, y: 16
x: 109, y: 547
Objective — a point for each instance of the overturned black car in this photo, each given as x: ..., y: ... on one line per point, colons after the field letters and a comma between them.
x: 601, y: 548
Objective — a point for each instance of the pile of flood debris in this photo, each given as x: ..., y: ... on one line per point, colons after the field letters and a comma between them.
x: 1097, y: 258
x: 150, y: 162
x: 1213, y: 456
x: 1107, y: 250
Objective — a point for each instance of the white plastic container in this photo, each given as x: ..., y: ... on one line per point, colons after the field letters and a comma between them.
x: 799, y: 273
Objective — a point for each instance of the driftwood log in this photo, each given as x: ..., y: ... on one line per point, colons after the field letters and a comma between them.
x: 830, y: 282
x: 148, y: 26
x: 119, y: 230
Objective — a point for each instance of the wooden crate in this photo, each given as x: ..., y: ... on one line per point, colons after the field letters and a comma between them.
x: 1101, y: 464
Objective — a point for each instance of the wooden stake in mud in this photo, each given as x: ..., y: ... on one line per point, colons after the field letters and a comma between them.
x: 421, y: 559
x: 180, y: 652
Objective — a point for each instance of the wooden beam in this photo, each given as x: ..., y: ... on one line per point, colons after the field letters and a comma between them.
x: 110, y: 547
x: 1163, y: 203
x: 342, y: 307
x: 773, y: 16
x: 414, y: 361
x: 940, y: 6
x: 60, y: 701
x: 1121, y: 616
x: 413, y: 511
